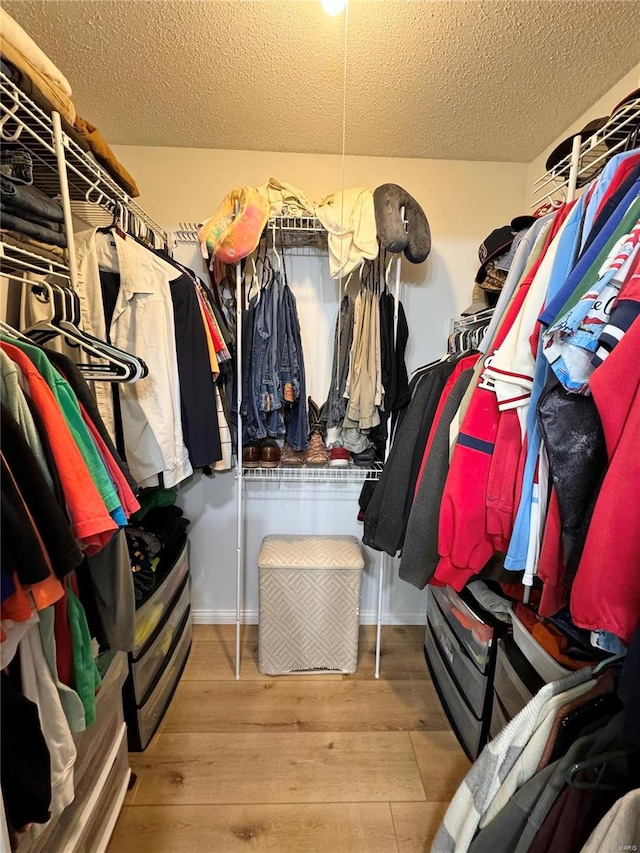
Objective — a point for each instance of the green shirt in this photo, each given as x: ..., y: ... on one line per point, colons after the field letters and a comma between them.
x: 72, y: 414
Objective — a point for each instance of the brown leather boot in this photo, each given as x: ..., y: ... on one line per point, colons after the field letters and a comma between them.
x: 291, y: 458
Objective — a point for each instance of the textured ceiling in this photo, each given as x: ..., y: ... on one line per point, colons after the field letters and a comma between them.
x: 447, y: 80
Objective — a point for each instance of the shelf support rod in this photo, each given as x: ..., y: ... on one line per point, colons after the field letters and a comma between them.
x: 239, y: 477
x: 575, y: 166
x: 58, y: 146
x: 384, y: 557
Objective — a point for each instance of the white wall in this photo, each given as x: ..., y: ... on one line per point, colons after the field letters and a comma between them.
x: 463, y: 202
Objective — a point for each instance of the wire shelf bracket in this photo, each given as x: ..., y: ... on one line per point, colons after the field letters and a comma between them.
x: 24, y: 123
x: 622, y: 129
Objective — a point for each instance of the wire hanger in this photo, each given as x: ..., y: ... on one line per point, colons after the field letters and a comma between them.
x: 254, y: 277
x: 387, y: 272
x: 274, y: 247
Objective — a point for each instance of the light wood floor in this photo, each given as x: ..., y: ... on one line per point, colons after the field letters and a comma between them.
x: 299, y: 764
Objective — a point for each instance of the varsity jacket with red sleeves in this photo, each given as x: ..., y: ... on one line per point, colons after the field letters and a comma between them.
x: 464, y: 542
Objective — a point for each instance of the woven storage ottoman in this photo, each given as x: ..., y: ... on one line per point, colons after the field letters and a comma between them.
x: 309, y: 603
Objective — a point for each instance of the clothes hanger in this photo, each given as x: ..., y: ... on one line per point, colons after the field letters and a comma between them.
x: 284, y: 265
x: 13, y: 333
x: 274, y: 248
x: 254, y: 278
x: 120, y: 366
x: 608, y: 661
x: 116, y: 223
x: 346, y: 283
x: 599, y: 764
x: 67, y: 312
x: 387, y: 272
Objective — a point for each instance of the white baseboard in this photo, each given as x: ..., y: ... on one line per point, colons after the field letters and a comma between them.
x: 250, y: 617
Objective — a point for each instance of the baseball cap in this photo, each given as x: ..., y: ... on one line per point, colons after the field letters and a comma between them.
x: 479, y: 301
x: 497, y: 243
x: 503, y: 262
x: 500, y: 243
x: 563, y: 150
x: 632, y: 96
x: 523, y: 222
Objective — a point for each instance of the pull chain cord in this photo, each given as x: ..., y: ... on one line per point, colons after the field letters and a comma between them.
x: 345, y: 52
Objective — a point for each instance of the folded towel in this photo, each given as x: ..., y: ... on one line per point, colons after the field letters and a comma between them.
x: 38, y: 76
x: 13, y: 33
x: 30, y: 199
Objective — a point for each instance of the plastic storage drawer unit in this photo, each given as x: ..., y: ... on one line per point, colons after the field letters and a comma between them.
x: 546, y: 666
x: 309, y: 604
x: 475, y: 635
x: 470, y: 731
x: 516, y: 681
x: 472, y: 683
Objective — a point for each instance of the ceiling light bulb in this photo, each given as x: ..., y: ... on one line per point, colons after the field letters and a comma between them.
x: 333, y: 7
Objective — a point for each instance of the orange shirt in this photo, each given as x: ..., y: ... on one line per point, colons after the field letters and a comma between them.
x: 90, y: 521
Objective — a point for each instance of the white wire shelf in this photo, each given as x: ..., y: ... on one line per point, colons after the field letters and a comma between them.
x: 297, y: 223
x: 315, y: 474
x: 296, y: 232
x: 595, y: 151
x: 16, y: 262
x: 293, y: 232
x: 24, y: 123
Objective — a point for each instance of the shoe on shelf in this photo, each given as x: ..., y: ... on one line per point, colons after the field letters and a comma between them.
x: 269, y: 455
x: 291, y: 458
x: 316, y: 424
x: 364, y: 459
x: 316, y: 453
x: 339, y: 457
x: 251, y: 456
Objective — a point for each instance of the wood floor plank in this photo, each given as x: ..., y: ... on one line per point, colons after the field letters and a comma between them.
x: 199, y: 769
x: 416, y: 825
x: 225, y: 633
x: 310, y: 705
x: 442, y: 763
x: 312, y: 828
x: 215, y: 661
x: 404, y: 634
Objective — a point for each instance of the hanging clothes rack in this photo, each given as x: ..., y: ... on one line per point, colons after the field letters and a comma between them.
x: 465, y: 333
x: 61, y: 166
x: 293, y: 232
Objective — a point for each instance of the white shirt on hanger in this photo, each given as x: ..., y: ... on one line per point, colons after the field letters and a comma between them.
x: 142, y: 324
